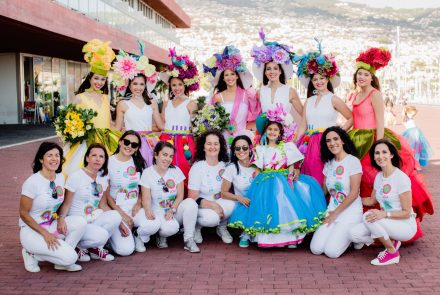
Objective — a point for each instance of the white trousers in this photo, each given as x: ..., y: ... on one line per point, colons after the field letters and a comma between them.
x: 65, y: 254
x: 333, y: 239
x: 101, y: 229
x: 125, y: 246
x: 396, y: 229
x: 208, y: 217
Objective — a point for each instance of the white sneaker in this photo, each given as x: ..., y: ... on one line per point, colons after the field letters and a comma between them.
x: 72, y: 267
x: 198, y: 235
x: 161, y: 242
x: 358, y: 246
x: 101, y: 254
x: 223, y: 233
x: 139, y: 244
x: 83, y: 254
x: 30, y: 262
x: 292, y: 246
x: 191, y: 246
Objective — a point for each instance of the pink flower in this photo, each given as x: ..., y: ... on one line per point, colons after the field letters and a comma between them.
x: 280, y: 56
x: 277, y: 114
x: 126, y: 66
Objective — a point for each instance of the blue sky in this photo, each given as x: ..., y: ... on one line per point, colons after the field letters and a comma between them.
x: 399, y: 3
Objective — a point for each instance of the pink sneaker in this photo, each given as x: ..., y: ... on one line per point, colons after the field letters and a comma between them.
x: 100, y: 254
x: 386, y: 258
x: 83, y: 254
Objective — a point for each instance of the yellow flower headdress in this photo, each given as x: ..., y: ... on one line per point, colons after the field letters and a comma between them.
x: 99, y: 55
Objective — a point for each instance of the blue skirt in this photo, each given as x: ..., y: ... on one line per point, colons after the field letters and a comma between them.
x: 276, y: 208
x: 417, y: 141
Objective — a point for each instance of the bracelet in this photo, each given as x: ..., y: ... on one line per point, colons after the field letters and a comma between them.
x: 388, y: 214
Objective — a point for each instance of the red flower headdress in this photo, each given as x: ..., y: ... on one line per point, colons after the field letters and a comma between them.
x: 373, y: 59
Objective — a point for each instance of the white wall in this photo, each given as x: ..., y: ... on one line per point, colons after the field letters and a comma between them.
x: 8, y: 89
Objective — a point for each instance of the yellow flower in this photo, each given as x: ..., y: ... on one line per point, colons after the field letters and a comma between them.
x: 211, y: 62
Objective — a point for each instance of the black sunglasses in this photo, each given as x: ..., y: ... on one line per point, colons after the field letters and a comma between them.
x: 133, y: 144
x: 239, y: 148
x: 54, y: 189
x: 95, y: 189
x: 164, y: 187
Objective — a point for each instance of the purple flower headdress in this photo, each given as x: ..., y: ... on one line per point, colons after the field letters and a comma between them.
x: 229, y: 59
x: 271, y: 51
x: 183, y: 68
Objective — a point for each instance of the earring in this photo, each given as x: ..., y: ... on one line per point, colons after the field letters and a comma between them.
x: 315, y: 91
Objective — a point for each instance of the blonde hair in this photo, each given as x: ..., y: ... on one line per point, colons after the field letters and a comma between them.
x: 409, y: 109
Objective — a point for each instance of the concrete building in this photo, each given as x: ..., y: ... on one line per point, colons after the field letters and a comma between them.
x: 41, y: 63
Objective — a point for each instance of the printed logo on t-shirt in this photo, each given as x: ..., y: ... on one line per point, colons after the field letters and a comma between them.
x: 132, y: 194
x: 339, y: 170
x: 168, y: 202
x: 220, y: 173
x: 217, y: 196
x: 88, y: 210
x: 59, y: 191
x: 170, y: 183
x: 387, y: 205
x: 46, y: 215
x: 131, y: 171
x: 386, y: 188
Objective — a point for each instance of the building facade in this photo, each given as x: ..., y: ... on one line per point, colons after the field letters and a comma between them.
x: 41, y: 63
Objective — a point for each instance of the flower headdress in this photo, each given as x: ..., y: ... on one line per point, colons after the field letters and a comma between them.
x: 129, y: 66
x: 271, y: 51
x: 229, y: 59
x: 183, y: 68
x: 373, y: 59
x: 315, y: 62
x: 279, y: 115
x: 99, y: 55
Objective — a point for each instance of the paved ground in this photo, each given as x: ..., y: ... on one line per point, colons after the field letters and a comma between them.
x: 11, y: 134
x: 220, y: 268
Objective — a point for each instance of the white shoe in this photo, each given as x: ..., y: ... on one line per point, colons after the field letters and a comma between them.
x: 292, y: 246
x: 191, y: 246
x: 30, y: 262
x: 100, y: 254
x: 139, y: 244
x: 161, y: 242
x: 358, y: 246
x: 72, y: 267
x: 198, y: 235
x: 83, y: 254
x: 223, y: 233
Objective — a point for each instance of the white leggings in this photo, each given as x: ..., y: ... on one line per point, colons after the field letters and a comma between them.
x: 208, y: 217
x: 124, y: 246
x: 101, y: 229
x: 65, y: 254
x: 396, y: 229
x: 186, y: 215
x: 333, y: 239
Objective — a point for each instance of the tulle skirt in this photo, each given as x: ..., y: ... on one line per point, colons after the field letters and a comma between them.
x: 279, y: 215
x: 312, y: 164
x: 417, y: 141
x: 149, y: 140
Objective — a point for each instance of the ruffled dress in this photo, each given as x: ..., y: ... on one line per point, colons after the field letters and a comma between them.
x: 279, y: 215
x: 417, y: 141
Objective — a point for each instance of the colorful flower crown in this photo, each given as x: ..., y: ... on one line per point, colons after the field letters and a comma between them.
x: 99, y: 55
x: 315, y: 62
x: 373, y: 59
x: 279, y: 115
x: 271, y: 51
x: 129, y: 66
x: 229, y: 59
x: 183, y: 68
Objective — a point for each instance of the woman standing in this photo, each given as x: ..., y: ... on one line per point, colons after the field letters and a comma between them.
x: 342, y: 178
x: 162, y: 199
x: 41, y: 196
x: 320, y: 75
x: 182, y: 78
x: 395, y: 220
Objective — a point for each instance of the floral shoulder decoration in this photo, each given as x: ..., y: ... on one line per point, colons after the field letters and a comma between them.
x: 74, y: 124
x: 210, y: 117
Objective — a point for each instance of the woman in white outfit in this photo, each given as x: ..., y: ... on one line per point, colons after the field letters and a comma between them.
x: 342, y: 178
x: 41, y: 195
x: 162, y: 198
x: 124, y: 170
x: 85, y: 198
x: 395, y: 220
x: 204, y: 185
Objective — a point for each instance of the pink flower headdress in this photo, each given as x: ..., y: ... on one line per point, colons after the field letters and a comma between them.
x: 279, y: 115
x: 373, y: 59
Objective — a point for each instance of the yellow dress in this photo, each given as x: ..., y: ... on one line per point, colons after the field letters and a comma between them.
x: 74, y: 154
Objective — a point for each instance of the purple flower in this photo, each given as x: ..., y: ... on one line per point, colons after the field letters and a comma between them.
x: 280, y: 56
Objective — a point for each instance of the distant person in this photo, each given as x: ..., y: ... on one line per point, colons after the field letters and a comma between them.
x: 390, y: 116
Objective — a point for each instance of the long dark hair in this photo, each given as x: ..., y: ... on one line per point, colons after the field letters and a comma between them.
x: 311, y: 88
x: 348, y: 145
x: 280, y: 126
x: 200, y: 149
x: 234, y: 159
x: 282, y: 76
x: 160, y: 146
x: 104, y: 168
x: 145, y: 95
x: 42, y: 150
x: 170, y: 95
x: 396, y: 160
x: 222, y: 86
x: 374, y: 80
x: 86, y: 84
x: 138, y: 160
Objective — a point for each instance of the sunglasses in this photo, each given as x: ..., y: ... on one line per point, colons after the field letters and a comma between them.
x: 239, y: 148
x: 95, y: 189
x: 54, y: 189
x: 134, y: 145
x: 164, y: 187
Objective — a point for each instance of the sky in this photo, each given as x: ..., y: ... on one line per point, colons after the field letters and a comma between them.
x: 399, y: 3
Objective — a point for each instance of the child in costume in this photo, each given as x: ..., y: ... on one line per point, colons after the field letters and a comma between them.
x: 284, y: 205
x: 390, y: 117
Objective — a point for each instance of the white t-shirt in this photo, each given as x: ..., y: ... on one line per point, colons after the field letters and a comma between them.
x: 241, y: 181
x: 37, y: 187
x: 124, y: 183
x: 388, y: 189
x: 160, y: 199
x: 206, y: 179
x: 84, y: 201
x: 338, y: 185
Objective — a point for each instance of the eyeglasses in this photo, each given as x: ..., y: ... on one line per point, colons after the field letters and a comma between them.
x: 239, y: 148
x: 162, y: 183
x: 54, y: 189
x: 95, y: 189
x: 133, y: 144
